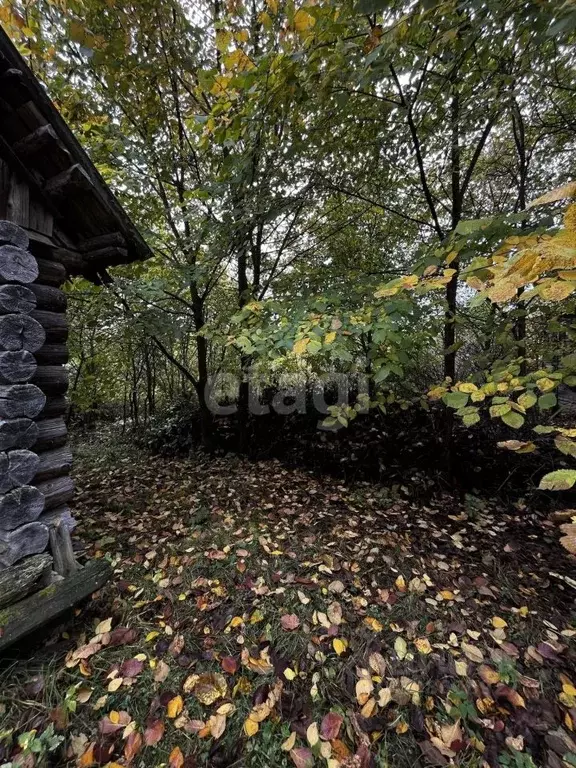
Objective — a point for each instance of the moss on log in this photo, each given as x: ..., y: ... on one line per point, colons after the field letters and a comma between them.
x: 39, y: 609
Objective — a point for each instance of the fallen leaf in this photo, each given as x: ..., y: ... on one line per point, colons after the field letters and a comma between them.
x: 339, y: 645
x: 229, y: 664
x: 153, y: 733
x: 400, y: 647
x: 302, y: 758
x: 290, y: 621
x: 176, y: 758
x: 472, y: 652
x: 489, y: 676
x: 330, y: 726
x: 288, y: 745
x: 175, y: 706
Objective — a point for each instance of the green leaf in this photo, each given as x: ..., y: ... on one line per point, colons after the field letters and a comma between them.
x: 541, y: 429
x: 570, y: 381
x: 547, y: 401
x: 470, y: 419
x: 560, y: 480
x: 471, y: 226
x: 565, y: 445
x: 455, y: 399
x: 499, y: 410
x: 527, y: 400
x: 513, y: 419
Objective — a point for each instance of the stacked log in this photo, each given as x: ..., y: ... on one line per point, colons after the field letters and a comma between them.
x: 35, y: 486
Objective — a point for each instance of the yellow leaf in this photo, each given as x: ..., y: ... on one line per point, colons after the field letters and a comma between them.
x: 400, y: 583
x: 364, y: 688
x: 300, y: 346
x: 447, y: 595
x: 373, y: 623
x: 461, y: 668
x: 115, y: 684
x: 289, y: 743
x: 151, y: 636
x: 104, y: 626
x: 236, y: 621
x: 400, y: 647
x: 472, y: 652
x: 329, y: 338
x: 289, y: 674
x: 560, y: 193
x: 312, y: 734
x: 339, y: 645
x: 303, y: 21
x: 251, y: 727
x: 384, y: 697
x: 498, y: 623
x: 545, y: 384
x: 175, y: 707
x: 401, y: 727
x: 237, y: 60
x: 557, y: 290
x: 423, y: 645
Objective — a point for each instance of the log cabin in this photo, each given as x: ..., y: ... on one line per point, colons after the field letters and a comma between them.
x: 58, y: 220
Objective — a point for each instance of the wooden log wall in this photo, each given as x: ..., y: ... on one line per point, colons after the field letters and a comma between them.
x: 35, y: 485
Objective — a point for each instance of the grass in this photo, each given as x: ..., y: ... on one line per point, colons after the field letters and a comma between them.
x: 216, y: 553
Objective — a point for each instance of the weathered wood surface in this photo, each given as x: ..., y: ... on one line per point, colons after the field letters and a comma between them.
x: 19, y: 580
x: 17, y: 400
x: 55, y: 325
x: 22, y: 332
x: 17, y: 265
x: 16, y: 298
x: 51, y: 379
x: 20, y: 506
x: 62, y: 551
x: 52, y: 354
x: 51, y: 273
x: 52, y: 434
x: 53, y: 464
x: 57, y: 491
x: 70, y: 259
x: 30, y: 539
x: 17, y: 468
x: 103, y: 241
x: 12, y: 234
x: 48, y: 297
x: 17, y: 367
x: 60, y: 515
x: 18, y: 433
x: 37, y: 610
x: 55, y: 406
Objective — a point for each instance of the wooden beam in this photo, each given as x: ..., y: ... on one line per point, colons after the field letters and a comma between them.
x: 34, y: 612
x: 17, y: 467
x: 52, y: 433
x: 16, y: 298
x: 12, y: 234
x: 53, y: 464
x: 55, y: 325
x: 69, y: 182
x: 51, y: 379
x: 23, y: 332
x: 52, y: 354
x: 21, y: 400
x: 17, y: 367
x: 47, y: 297
x: 17, y: 265
x: 21, y: 579
x: 29, y: 539
x: 103, y: 241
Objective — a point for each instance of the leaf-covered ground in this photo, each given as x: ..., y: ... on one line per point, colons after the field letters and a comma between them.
x: 261, y: 617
